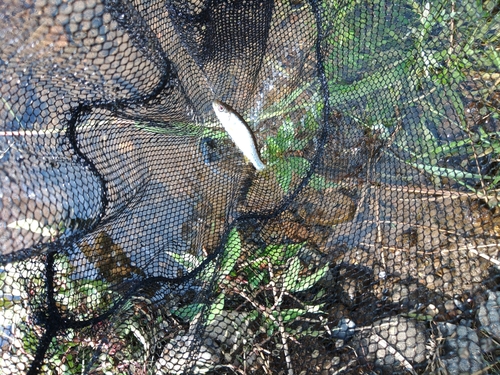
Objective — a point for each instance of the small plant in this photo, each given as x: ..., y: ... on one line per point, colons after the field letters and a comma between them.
x: 229, y: 258
x: 267, y: 280
x: 440, y: 52
x: 284, y: 151
x: 72, y: 350
x: 277, y: 152
x: 466, y: 155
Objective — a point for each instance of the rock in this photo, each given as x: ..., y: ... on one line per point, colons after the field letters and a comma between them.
x: 345, y: 329
x: 188, y: 353
x: 392, y: 343
x: 461, y: 353
x: 489, y: 314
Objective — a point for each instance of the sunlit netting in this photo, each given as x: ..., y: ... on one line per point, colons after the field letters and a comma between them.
x: 141, y: 235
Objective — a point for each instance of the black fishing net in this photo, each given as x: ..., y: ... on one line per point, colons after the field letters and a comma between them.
x: 139, y: 234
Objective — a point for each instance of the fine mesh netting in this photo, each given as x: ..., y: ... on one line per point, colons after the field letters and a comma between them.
x: 140, y: 234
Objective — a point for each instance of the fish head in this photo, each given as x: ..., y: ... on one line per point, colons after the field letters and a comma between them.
x: 220, y: 107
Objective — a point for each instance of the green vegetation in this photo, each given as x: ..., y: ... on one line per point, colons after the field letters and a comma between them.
x: 395, y: 71
x: 71, y: 350
x: 265, y: 284
x: 462, y: 50
x: 409, y: 81
x: 283, y: 151
x: 257, y: 270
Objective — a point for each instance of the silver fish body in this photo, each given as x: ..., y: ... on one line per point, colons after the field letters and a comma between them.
x: 239, y: 132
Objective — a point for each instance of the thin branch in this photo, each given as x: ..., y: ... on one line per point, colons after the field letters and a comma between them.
x: 281, y: 326
x: 28, y: 133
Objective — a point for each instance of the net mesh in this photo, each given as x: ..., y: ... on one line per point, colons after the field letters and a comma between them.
x: 137, y: 237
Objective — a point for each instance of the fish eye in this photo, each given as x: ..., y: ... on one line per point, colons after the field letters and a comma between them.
x: 221, y: 108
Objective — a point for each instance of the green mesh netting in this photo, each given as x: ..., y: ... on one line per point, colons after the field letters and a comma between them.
x: 140, y: 233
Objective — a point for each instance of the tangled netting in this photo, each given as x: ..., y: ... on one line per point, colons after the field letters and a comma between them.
x: 138, y: 236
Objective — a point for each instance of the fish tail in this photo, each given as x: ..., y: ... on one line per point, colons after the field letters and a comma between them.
x: 258, y: 165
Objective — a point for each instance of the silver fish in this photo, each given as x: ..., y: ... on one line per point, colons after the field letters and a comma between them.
x: 239, y: 132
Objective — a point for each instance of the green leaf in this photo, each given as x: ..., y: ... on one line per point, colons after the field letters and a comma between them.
x: 216, y: 308
x: 284, y: 174
x: 6, y: 303
x: 286, y: 136
x: 271, y: 326
x: 272, y: 151
x: 320, y: 183
x: 285, y: 168
x: 299, y: 165
x: 214, y: 134
x: 255, y: 278
x: 293, y: 249
x: 291, y: 314
x: 279, y: 254
x: 189, y: 261
x: 189, y: 312
x: 292, y: 274
x: 275, y: 253
x: 207, y: 129
x: 308, y: 281
x: 231, y: 254
x: 285, y: 105
x: 453, y: 174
